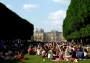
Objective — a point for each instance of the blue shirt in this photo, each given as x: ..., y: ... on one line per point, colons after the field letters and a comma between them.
x: 81, y: 54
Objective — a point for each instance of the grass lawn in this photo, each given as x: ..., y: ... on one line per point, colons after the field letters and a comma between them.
x: 39, y: 59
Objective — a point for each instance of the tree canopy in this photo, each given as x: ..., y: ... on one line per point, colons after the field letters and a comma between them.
x: 12, y: 26
x: 76, y: 24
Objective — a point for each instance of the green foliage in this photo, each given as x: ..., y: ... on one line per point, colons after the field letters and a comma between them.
x: 32, y: 38
x: 76, y: 24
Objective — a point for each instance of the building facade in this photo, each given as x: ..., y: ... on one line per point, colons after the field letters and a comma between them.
x: 52, y: 36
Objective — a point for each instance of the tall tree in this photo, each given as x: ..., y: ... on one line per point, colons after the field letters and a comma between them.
x: 76, y: 24
x: 12, y: 26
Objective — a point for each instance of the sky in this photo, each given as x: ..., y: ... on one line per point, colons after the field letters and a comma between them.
x: 45, y: 14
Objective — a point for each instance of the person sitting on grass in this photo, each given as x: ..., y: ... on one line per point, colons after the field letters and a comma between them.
x: 19, y: 56
x: 2, y: 55
x: 44, y: 54
x: 86, y: 55
x: 61, y: 54
x: 81, y: 54
x: 73, y: 55
x: 38, y: 51
x: 66, y: 55
x: 29, y: 50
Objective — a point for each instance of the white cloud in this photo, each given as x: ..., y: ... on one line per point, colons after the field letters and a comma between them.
x: 57, y: 22
x: 62, y: 1
x: 56, y: 18
x: 28, y: 6
x: 57, y: 15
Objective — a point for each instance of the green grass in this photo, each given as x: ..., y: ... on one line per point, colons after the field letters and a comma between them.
x: 39, y: 59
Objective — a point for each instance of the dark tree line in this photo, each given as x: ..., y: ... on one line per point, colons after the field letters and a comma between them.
x: 13, y: 26
x: 76, y: 24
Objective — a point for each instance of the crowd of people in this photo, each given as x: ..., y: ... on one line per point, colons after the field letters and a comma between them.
x: 12, y: 50
x: 61, y: 51
x: 58, y: 51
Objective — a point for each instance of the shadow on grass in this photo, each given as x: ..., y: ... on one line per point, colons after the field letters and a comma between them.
x: 11, y: 61
x: 16, y: 61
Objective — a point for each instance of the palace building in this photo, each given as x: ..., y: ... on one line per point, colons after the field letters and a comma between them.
x: 52, y: 36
